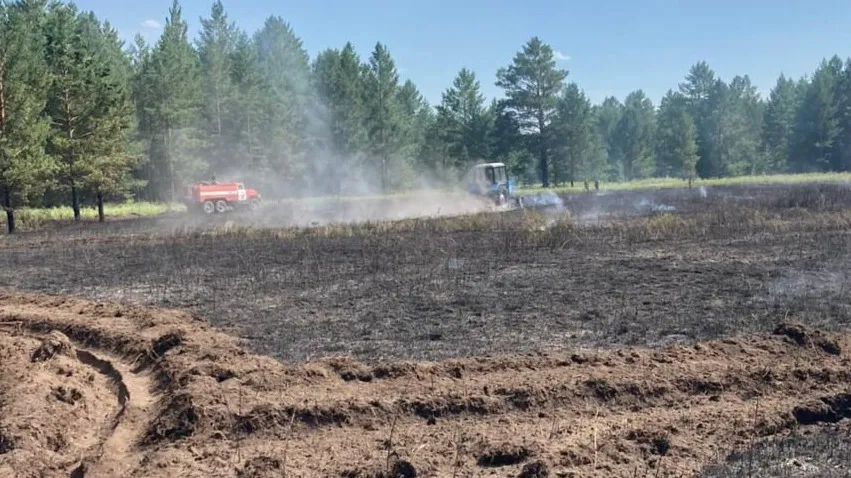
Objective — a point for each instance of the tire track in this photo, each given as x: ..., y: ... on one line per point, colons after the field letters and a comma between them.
x: 113, y: 456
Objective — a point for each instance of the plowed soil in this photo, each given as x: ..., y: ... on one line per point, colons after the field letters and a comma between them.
x: 97, y: 389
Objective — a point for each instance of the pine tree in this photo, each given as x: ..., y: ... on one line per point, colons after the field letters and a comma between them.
x: 250, y: 100
x: 415, y: 116
x: 382, y: 107
x: 607, y: 116
x: 287, y: 128
x: 73, y: 95
x: 816, y: 126
x: 532, y: 85
x: 339, y: 81
x: 169, y: 105
x: 634, y: 136
x: 216, y: 47
x: 111, y: 154
x: 24, y: 81
x: 676, y: 138
x: 842, y: 146
x: 698, y: 89
x: 464, y: 121
x: 779, y: 124
x: 744, y: 123
x: 573, y: 129
x: 508, y: 144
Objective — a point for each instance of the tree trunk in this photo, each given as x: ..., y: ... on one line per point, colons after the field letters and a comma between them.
x: 75, y: 201
x: 10, y: 213
x: 100, y: 207
x: 542, y: 151
x: 170, y: 165
x: 573, y: 172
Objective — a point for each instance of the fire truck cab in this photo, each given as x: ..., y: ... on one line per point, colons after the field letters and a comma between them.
x: 211, y: 197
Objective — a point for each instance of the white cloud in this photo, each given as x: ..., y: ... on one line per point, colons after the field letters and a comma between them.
x: 151, y: 25
x: 559, y: 56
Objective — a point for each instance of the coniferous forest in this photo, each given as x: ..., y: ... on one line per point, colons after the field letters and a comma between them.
x: 85, y: 118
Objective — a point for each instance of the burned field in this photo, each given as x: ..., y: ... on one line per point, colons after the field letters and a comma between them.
x: 617, y: 269
x: 667, y: 334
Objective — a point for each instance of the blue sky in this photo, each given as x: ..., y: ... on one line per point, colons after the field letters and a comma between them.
x: 610, y: 48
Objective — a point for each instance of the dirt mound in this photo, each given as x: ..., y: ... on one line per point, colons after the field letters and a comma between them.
x: 804, y: 337
x: 91, y: 389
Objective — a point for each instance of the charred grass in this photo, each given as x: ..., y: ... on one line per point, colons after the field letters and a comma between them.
x: 628, y: 268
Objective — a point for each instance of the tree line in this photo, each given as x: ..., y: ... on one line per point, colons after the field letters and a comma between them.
x: 85, y: 118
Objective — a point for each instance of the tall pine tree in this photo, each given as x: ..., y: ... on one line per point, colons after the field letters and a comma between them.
x: 110, y: 153
x: 573, y: 129
x: 607, y: 116
x: 287, y: 128
x: 816, y: 125
x: 634, y: 136
x: 464, y: 121
x: 24, y: 83
x: 216, y: 47
x: 169, y: 104
x: 676, y: 138
x: 779, y: 124
x: 842, y: 96
x: 532, y: 85
x: 698, y: 88
x: 382, y: 112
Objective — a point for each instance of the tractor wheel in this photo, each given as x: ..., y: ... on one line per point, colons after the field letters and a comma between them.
x: 501, y: 198
x: 221, y: 206
x: 209, y: 207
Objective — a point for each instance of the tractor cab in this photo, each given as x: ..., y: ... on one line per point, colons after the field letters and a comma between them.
x: 489, y: 179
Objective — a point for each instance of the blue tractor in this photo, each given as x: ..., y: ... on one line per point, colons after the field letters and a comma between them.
x: 490, y: 180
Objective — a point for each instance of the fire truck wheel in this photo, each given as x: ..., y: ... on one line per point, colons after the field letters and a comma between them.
x: 254, y: 204
x: 221, y: 206
x: 209, y: 207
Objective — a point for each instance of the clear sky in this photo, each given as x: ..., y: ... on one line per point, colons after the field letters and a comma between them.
x: 610, y: 48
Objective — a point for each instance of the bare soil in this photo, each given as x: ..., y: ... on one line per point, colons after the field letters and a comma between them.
x: 99, y: 389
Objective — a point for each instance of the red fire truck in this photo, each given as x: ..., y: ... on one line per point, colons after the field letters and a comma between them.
x: 211, y: 197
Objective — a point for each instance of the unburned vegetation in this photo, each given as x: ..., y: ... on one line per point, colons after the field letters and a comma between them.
x: 675, y: 333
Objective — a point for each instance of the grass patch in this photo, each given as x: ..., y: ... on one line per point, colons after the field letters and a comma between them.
x: 668, y: 183
x: 33, y: 218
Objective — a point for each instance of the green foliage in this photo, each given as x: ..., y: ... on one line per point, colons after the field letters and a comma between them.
x: 676, y: 138
x: 285, y: 126
x: 817, y: 121
x: 779, y: 124
x: 464, y: 122
x: 842, y: 146
x: 84, y: 119
x: 168, y: 100
x: 88, y: 104
x: 216, y: 47
x: 532, y: 85
x: 633, y: 136
x: 382, y: 113
x: 24, y: 82
x: 574, y: 133
x: 606, y: 118
x: 700, y: 89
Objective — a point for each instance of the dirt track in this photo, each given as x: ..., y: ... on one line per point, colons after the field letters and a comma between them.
x: 111, y: 390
